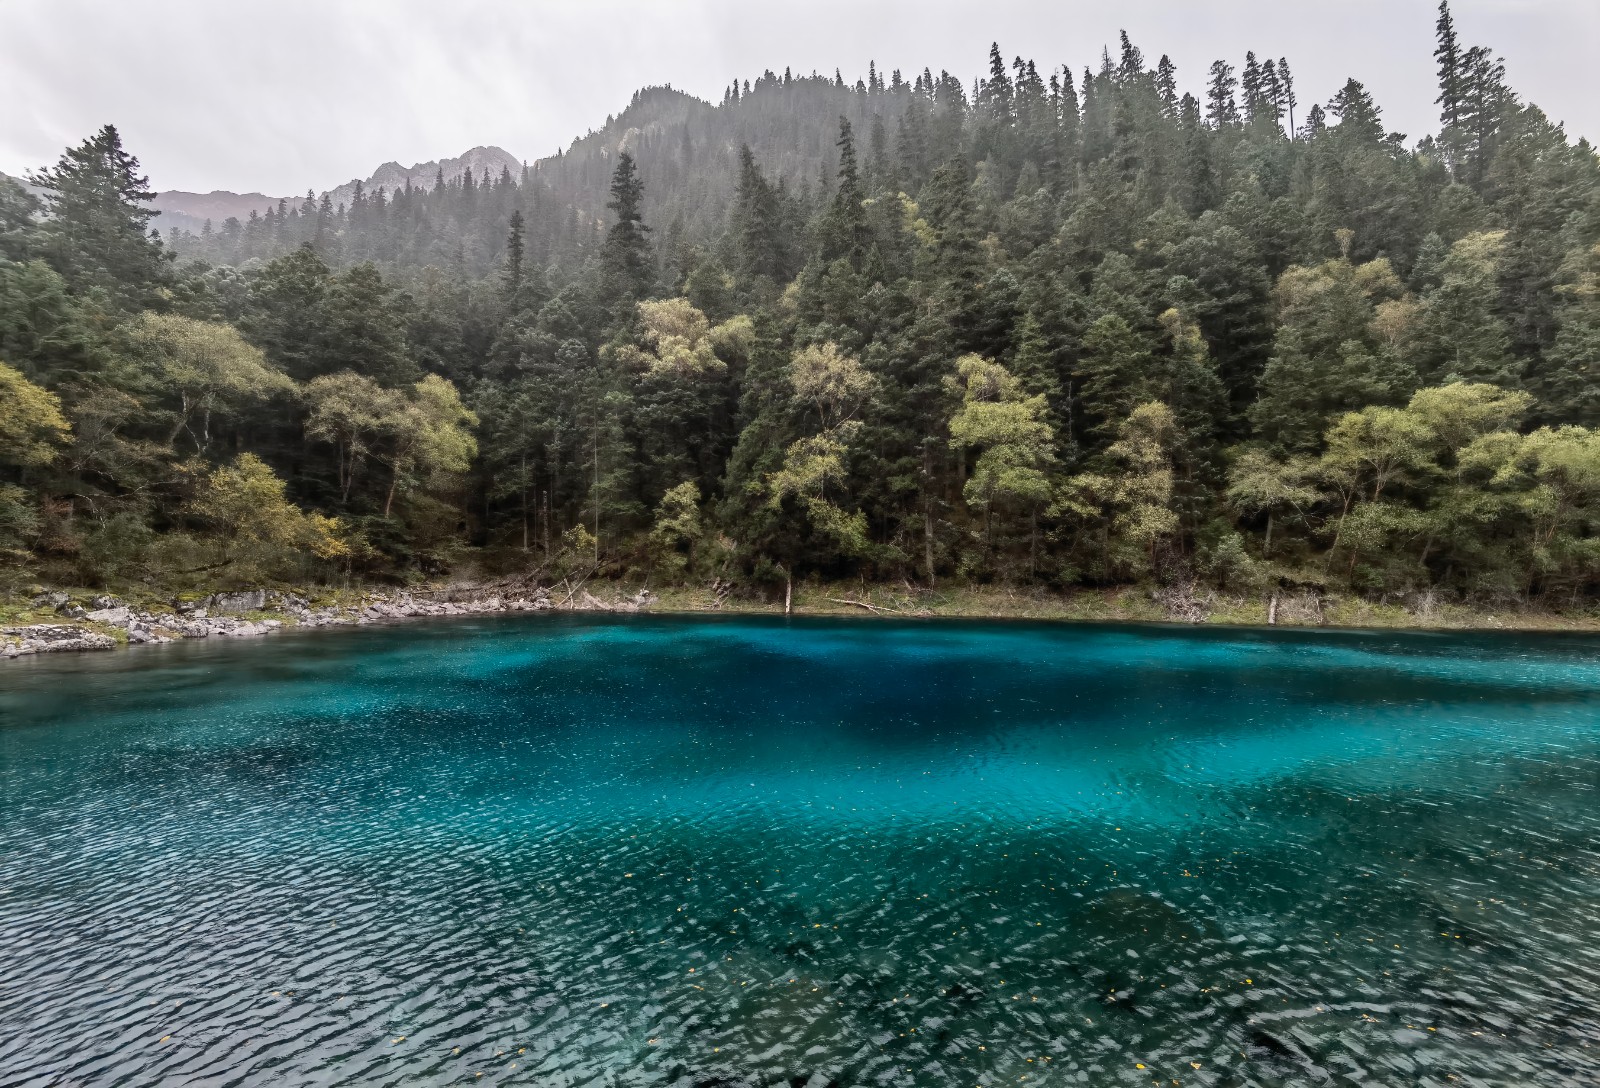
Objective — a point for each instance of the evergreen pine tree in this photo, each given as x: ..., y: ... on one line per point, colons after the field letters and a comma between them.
x: 98, y: 229
x: 18, y: 226
x: 627, y: 274
x: 1286, y: 80
x: 845, y: 231
x: 997, y: 90
x: 1451, y: 90
x: 1272, y: 94
x: 1252, y: 84
x: 1199, y: 182
x: 1222, y: 110
x: 757, y: 222
x: 1070, y: 119
x: 515, y: 252
x: 1131, y: 66
x: 1167, y: 87
x: 1359, y: 117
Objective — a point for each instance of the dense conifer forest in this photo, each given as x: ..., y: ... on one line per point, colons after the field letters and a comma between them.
x: 1052, y: 327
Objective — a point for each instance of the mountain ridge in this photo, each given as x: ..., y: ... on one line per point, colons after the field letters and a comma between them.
x: 189, y: 211
x: 391, y: 175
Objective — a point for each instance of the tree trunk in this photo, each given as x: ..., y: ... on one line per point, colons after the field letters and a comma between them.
x: 388, y: 502
x: 788, y: 593
x: 597, y: 498
x: 347, y: 473
x: 927, y: 512
x: 1266, y: 548
x: 1338, y: 532
x: 183, y: 421
x: 1033, y: 542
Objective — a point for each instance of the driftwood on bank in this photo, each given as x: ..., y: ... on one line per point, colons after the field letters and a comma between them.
x: 874, y: 608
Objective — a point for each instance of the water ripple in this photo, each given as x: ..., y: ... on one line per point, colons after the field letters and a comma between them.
x: 711, y: 855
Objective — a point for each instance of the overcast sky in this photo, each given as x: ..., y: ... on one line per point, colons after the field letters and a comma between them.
x: 286, y: 95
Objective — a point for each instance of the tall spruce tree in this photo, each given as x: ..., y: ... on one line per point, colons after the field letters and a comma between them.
x: 627, y: 269
x: 1451, y: 100
x: 846, y: 234
x: 516, y: 253
x: 97, y: 233
x: 1222, y: 107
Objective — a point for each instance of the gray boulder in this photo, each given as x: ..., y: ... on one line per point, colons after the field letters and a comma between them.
x: 248, y: 600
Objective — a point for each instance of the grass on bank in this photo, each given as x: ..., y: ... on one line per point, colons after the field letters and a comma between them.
x: 1131, y: 604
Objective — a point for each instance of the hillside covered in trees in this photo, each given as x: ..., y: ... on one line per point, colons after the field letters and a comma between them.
x: 1054, y: 327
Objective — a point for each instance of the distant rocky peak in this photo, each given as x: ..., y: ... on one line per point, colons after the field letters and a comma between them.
x: 392, y: 176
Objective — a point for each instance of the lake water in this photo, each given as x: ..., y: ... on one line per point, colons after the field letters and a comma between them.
x: 571, y: 850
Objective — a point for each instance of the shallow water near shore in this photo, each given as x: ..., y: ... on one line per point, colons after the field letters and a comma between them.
x: 578, y: 850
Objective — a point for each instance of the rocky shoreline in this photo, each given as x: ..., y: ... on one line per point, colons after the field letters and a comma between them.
x: 64, y: 624
x: 94, y: 625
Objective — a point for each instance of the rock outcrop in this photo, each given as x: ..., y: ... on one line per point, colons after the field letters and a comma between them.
x: 48, y: 638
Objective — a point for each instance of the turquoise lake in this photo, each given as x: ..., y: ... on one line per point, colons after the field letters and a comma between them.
x: 712, y: 853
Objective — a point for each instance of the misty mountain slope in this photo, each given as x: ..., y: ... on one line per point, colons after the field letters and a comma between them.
x: 189, y: 212
x: 686, y: 149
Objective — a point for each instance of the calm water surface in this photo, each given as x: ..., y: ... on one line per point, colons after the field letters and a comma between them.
x: 589, y: 851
